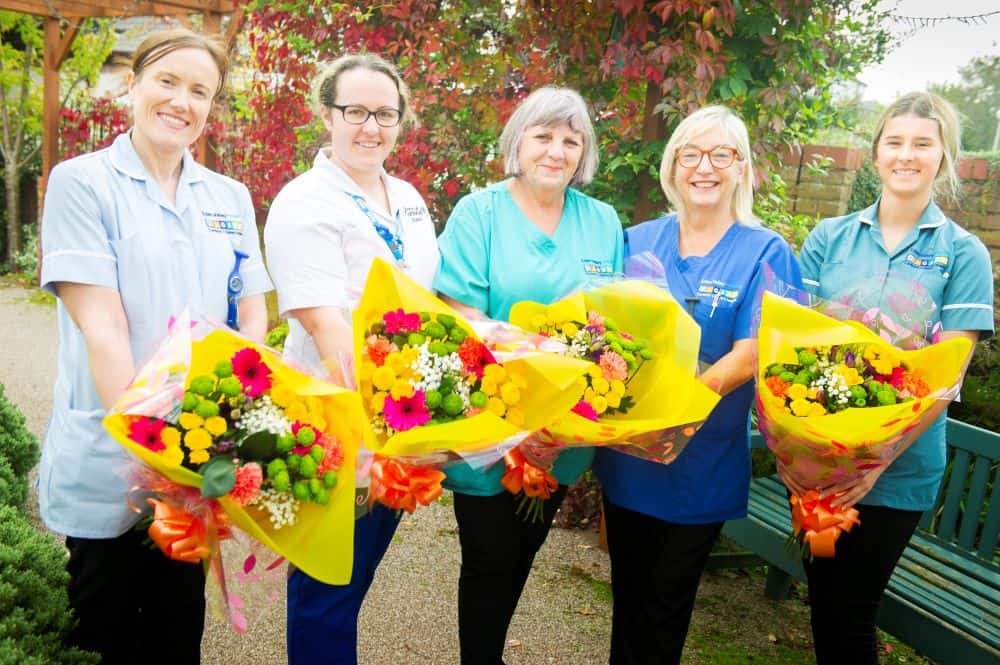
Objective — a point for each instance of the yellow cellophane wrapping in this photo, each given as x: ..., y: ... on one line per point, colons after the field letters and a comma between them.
x: 321, y: 541
x: 550, y: 378
x: 831, y: 448
x: 665, y: 389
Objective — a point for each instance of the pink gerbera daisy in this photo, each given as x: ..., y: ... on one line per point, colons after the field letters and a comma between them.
x: 586, y: 410
x: 613, y: 366
x: 252, y: 372
x: 146, y: 432
x: 399, y: 322
x: 407, y: 412
x: 249, y: 478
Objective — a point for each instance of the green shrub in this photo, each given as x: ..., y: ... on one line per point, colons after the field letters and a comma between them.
x: 770, y: 207
x: 276, y: 336
x: 13, y: 488
x: 35, y: 616
x: 866, y: 188
x: 18, y: 452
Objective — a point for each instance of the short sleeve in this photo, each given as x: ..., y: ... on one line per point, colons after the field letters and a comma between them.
x: 811, y: 257
x: 303, y: 239
x: 968, y: 297
x: 465, y: 261
x: 777, y: 256
x: 254, y: 273
x: 75, y: 243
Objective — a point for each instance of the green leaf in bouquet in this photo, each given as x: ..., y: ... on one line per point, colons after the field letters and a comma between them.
x: 259, y: 446
x: 218, y: 476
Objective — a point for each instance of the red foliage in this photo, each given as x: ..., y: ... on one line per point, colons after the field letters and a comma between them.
x: 86, y: 130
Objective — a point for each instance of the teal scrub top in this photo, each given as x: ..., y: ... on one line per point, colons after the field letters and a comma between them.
x: 938, y: 278
x: 492, y: 256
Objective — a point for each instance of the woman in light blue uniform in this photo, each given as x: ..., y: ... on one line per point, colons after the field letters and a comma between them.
x: 662, y: 520
x: 531, y: 237
x: 895, y: 254
x: 132, y: 235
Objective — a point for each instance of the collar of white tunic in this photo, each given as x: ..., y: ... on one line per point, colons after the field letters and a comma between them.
x: 126, y: 160
x: 339, y: 178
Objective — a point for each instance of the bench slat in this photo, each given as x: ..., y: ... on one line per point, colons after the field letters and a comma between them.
x: 963, y: 436
x: 962, y: 576
x: 950, y: 555
x: 949, y: 607
x: 974, y: 503
x: 953, y: 495
x: 991, y: 530
x: 930, y: 583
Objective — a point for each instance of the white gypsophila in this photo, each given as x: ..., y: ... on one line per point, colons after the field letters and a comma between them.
x: 432, y: 367
x: 281, y: 507
x: 463, y: 390
x: 262, y: 415
x: 834, y: 386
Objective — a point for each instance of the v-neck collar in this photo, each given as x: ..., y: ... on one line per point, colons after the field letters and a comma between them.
x: 691, y: 262
x: 930, y: 218
x: 536, y: 237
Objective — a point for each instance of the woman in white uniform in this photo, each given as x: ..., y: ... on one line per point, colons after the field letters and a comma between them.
x: 132, y: 235
x: 323, y: 231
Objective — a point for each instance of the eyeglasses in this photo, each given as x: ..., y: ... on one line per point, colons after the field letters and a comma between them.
x: 721, y: 156
x: 358, y: 115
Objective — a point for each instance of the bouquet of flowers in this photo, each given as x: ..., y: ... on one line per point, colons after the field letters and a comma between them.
x: 429, y: 385
x: 266, y: 445
x: 835, y: 399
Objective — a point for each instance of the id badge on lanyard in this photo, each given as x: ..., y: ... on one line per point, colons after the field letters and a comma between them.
x: 391, y: 238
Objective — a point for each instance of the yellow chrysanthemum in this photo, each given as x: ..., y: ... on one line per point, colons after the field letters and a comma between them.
x: 812, y: 393
x: 216, y: 425
x: 600, y: 404
x: 384, y: 377
x: 581, y: 383
x: 395, y: 361
x: 817, y: 410
x: 801, y: 407
x: 296, y: 411
x: 173, y: 454
x: 410, y: 356
x: 199, y: 456
x: 510, y: 394
x: 601, y: 385
x: 496, y: 407
x: 401, y: 389
x: 281, y: 395
x: 850, y: 375
x: 170, y: 436
x: 198, y: 439
x: 515, y: 416
x: 488, y: 386
x: 589, y: 394
x: 367, y: 369
x: 367, y: 390
x: 614, y: 400
x: 495, y: 372
x: 595, y: 372
x: 190, y: 421
x: 618, y: 387
x: 797, y: 391
x: 378, y: 402
x: 570, y: 330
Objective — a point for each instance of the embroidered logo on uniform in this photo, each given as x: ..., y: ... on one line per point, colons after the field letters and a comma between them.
x: 598, y: 268
x: 223, y: 222
x: 718, y: 291
x: 926, y: 261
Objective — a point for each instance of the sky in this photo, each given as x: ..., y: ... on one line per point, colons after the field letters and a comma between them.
x: 932, y: 54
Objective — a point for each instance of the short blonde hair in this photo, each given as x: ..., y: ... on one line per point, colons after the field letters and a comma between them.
x: 931, y: 107
x: 324, y: 86
x: 704, y: 120
x: 547, y: 107
x: 159, y: 44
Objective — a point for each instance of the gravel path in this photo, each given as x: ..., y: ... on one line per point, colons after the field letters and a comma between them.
x: 409, y: 616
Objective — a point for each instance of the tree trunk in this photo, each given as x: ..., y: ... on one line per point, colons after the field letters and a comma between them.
x: 654, y: 128
x: 13, y: 215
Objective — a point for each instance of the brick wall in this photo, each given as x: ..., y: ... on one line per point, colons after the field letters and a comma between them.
x: 826, y: 194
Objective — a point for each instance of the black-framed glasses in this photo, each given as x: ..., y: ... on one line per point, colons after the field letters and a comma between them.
x: 720, y: 156
x: 355, y: 114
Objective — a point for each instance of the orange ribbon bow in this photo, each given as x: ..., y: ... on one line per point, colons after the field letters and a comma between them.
x: 402, y: 486
x: 183, y: 536
x: 523, y: 476
x: 820, y: 522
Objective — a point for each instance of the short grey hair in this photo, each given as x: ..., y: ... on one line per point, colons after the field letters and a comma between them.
x: 547, y: 107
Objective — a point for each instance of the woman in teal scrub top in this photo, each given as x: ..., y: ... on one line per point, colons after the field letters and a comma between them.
x: 903, y: 236
x: 530, y: 237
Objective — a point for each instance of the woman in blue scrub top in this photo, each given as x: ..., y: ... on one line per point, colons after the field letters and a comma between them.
x: 323, y: 231
x: 906, y: 236
x: 662, y: 520
x: 132, y: 235
x: 531, y: 237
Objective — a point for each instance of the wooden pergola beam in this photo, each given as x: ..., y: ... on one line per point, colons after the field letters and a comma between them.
x: 115, y: 8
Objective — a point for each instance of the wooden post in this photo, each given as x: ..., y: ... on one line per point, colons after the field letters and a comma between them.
x: 211, y: 25
x: 50, y: 98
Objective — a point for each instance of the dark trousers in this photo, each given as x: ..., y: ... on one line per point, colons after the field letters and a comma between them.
x: 323, y: 618
x: 132, y: 603
x: 655, y: 570
x: 498, y: 548
x: 845, y: 591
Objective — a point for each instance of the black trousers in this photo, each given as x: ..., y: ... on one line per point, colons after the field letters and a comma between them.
x: 133, y: 604
x: 498, y: 548
x: 845, y: 591
x: 655, y: 570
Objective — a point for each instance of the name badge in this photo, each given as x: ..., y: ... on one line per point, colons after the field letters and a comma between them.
x: 416, y: 214
x: 595, y: 268
x: 717, y: 291
x: 926, y: 261
x: 223, y: 222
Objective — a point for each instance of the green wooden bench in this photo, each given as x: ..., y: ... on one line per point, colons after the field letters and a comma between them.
x: 944, y: 596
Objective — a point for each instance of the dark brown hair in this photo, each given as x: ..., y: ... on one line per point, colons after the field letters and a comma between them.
x: 325, y: 83
x: 159, y: 44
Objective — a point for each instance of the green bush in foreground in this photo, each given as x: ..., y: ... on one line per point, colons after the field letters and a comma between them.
x: 18, y: 453
x: 35, y: 616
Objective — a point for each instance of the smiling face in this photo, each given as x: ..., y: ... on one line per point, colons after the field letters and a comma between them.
x: 362, y: 149
x: 705, y: 188
x: 908, y: 156
x: 548, y: 156
x: 171, y: 99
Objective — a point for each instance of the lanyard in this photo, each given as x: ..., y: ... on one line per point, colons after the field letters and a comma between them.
x: 392, y: 239
x: 234, y: 287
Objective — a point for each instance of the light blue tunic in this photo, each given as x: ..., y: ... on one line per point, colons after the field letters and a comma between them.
x: 939, y: 262
x: 492, y: 256
x: 107, y: 223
